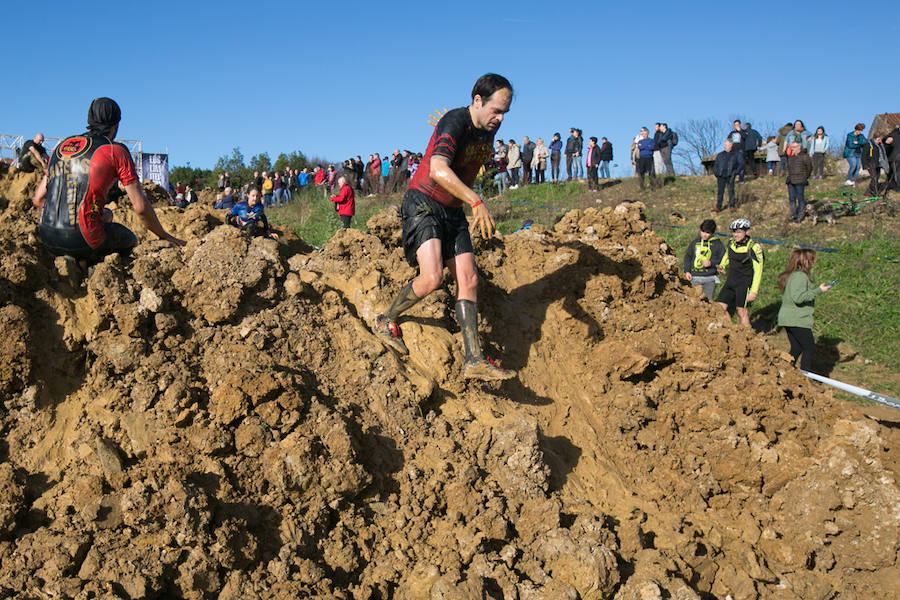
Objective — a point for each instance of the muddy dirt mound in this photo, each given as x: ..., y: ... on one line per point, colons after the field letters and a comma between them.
x: 219, y: 422
x: 156, y: 194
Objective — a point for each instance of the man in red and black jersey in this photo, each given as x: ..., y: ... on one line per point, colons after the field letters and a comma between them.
x: 72, y: 194
x: 435, y: 229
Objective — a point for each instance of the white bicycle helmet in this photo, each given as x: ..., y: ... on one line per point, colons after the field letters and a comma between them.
x: 739, y: 224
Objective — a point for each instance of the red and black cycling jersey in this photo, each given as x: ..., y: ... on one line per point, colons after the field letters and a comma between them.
x: 464, y: 145
x: 81, y: 171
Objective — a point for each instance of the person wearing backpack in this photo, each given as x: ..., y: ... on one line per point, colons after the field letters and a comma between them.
x: 702, y: 259
x: 665, y: 147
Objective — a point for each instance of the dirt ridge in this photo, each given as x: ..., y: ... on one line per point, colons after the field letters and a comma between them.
x: 219, y: 422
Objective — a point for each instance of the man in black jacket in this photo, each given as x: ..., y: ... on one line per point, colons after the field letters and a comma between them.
x: 664, y: 145
x: 892, y: 149
x: 606, y: 156
x: 874, y: 160
x: 752, y: 141
x: 737, y: 136
x: 570, y: 152
x: 727, y: 165
x: 527, y: 152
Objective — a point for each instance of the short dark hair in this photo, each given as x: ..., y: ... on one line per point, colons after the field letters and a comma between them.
x: 594, y: 139
x: 489, y: 83
x: 708, y: 226
x: 251, y: 188
x: 512, y: 141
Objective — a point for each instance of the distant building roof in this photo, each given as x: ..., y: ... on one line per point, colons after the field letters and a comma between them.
x: 885, y: 121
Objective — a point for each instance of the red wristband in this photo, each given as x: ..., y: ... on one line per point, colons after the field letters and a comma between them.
x: 478, y: 202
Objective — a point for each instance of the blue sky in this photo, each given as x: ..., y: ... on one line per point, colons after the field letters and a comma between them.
x: 340, y: 79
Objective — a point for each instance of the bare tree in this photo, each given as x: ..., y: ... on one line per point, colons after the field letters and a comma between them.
x: 697, y: 139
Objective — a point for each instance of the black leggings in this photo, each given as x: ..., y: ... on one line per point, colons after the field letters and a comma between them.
x: 69, y: 242
x: 345, y: 221
x: 802, y: 345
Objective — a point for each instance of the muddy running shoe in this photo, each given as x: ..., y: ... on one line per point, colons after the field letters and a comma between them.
x: 487, y: 369
x: 389, y: 332
x: 74, y: 274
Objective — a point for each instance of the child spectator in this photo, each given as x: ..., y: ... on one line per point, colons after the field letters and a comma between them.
x: 249, y: 216
x: 345, y: 201
x: 797, y: 300
x: 772, y: 157
x: 818, y: 146
x: 745, y: 258
x: 799, y: 168
x: 702, y: 259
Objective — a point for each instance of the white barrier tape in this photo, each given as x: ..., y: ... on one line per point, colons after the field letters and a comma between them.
x: 869, y: 395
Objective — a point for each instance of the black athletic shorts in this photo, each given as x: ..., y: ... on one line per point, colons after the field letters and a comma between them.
x: 734, y: 294
x: 425, y: 218
x: 70, y: 242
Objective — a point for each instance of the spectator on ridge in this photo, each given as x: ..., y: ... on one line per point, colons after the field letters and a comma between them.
x: 853, y: 152
x: 818, y: 146
x: 737, y: 137
x: 220, y: 184
x: 798, y: 297
x: 606, y: 156
x: 892, y: 148
x: 772, y: 157
x: 500, y: 162
x: 577, y: 166
x: 797, y: 134
x: 539, y: 160
x: 33, y: 155
x: 782, y: 150
x: 874, y: 160
x: 527, y: 157
x: 658, y: 166
x: 555, y: 153
x: 645, y: 148
x: 726, y: 167
x: 514, y: 156
x: 267, y: 189
x: 702, y: 259
x: 799, y: 168
x: 226, y: 201
x: 592, y: 159
x: 345, y: 201
x: 752, y: 141
x: 570, y: 153
x: 665, y: 148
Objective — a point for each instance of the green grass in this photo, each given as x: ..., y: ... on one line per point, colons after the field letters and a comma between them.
x: 861, y: 311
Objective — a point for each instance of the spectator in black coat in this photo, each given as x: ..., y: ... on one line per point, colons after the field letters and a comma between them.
x: 727, y: 165
x: 527, y: 152
x: 606, y: 156
x: 892, y: 149
x: 752, y: 141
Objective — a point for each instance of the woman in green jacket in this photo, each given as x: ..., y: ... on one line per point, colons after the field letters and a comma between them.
x: 797, y: 299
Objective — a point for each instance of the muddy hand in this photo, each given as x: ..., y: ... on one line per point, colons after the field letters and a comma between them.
x: 483, y: 220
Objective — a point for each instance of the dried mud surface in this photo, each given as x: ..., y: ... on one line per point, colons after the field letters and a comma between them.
x: 219, y: 422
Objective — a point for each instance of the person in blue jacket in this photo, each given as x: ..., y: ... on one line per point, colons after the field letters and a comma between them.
x: 249, y: 216
x: 645, y: 147
x: 853, y: 152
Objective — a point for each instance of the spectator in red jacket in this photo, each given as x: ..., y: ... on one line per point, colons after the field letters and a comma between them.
x: 345, y: 201
x: 373, y: 176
